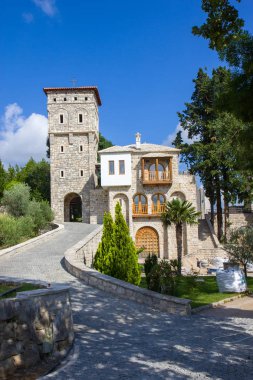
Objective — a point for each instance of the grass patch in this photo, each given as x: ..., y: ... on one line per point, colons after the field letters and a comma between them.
x: 203, y: 293
x: 23, y: 288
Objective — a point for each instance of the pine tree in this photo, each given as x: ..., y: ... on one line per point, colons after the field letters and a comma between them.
x: 125, y: 263
x: 103, y: 260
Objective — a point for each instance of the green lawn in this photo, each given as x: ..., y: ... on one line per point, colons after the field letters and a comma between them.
x: 203, y: 293
x: 24, y: 287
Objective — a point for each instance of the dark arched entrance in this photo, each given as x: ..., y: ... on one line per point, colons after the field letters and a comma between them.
x: 73, y: 208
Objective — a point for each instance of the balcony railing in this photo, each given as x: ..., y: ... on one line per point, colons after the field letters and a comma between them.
x: 140, y: 209
x: 158, y: 209
x: 156, y: 176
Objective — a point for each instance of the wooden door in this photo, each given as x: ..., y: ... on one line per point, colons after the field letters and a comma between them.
x: 147, y: 238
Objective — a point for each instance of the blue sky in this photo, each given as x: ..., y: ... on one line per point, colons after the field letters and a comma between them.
x: 141, y: 55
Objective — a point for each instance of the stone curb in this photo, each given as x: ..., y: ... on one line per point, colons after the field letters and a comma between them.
x: 215, y: 304
x: 32, y: 241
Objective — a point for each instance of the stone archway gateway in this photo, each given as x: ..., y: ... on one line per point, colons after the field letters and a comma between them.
x: 147, y: 238
x: 72, y: 208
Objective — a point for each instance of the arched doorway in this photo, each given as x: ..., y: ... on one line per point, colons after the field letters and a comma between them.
x: 73, y: 208
x: 122, y: 199
x: 147, y: 238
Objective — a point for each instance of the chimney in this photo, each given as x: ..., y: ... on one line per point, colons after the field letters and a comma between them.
x: 138, y: 140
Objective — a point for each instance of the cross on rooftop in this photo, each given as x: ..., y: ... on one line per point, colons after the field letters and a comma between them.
x: 73, y: 82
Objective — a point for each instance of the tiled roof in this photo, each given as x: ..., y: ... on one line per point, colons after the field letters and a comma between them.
x: 148, y: 148
x: 74, y: 89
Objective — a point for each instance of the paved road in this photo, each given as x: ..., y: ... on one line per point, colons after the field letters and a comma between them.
x: 118, y: 339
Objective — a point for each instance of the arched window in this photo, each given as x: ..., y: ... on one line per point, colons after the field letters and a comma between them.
x: 140, y: 205
x: 178, y: 195
x: 158, y: 173
x: 148, y: 239
x: 158, y: 203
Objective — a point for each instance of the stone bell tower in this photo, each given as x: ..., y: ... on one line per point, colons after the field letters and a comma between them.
x: 73, y: 134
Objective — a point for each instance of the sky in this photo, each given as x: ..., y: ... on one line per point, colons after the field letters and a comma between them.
x: 140, y: 53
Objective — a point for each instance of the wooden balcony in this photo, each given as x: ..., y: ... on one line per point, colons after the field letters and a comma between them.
x: 158, y: 209
x: 156, y: 177
x: 140, y: 209
x: 156, y: 171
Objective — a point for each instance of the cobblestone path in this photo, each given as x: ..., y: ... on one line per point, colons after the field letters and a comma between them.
x: 118, y: 339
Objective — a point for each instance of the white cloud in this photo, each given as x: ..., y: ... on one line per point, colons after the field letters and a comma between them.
x: 47, y: 6
x: 21, y: 137
x: 171, y: 137
x: 28, y: 17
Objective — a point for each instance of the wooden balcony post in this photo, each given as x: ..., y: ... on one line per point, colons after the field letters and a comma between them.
x: 156, y: 169
x: 170, y: 166
x: 142, y: 168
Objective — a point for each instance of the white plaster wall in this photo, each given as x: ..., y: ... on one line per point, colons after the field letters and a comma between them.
x: 115, y: 179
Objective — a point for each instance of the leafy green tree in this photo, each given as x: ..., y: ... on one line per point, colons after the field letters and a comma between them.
x: 209, y: 155
x: 103, y: 142
x: 3, y: 177
x: 125, y: 264
x: 12, y: 172
x: 224, y: 30
x: 222, y: 26
x: 16, y: 199
x: 179, y: 212
x: 10, y: 184
x: 103, y: 259
x: 37, y: 176
x: 240, y: 246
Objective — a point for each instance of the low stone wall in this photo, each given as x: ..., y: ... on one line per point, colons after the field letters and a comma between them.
x: 84, y: 251
x: 35, y: 325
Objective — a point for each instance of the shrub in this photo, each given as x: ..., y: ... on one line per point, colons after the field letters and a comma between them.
x: 16, y: 199
x: 150, y: 262
x: 163, y: 277
x: 36, y: 214
x: 153, y: 279
x: 15, y: 230
x: 40, y: 213
x: 47, y: 211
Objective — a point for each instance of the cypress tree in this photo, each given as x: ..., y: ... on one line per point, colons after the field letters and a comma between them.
x: 125, y: 263
x: 104, y: 256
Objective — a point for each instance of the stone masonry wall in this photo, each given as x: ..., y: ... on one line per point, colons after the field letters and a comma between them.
x: 34, y: 325
x: 71, y: 135
x: 183, y: 186
x: 99, y: 200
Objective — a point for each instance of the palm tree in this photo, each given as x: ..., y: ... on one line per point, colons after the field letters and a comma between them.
x: 178, y: 212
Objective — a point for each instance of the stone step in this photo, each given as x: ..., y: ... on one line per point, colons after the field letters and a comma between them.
x: 204, y: 235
